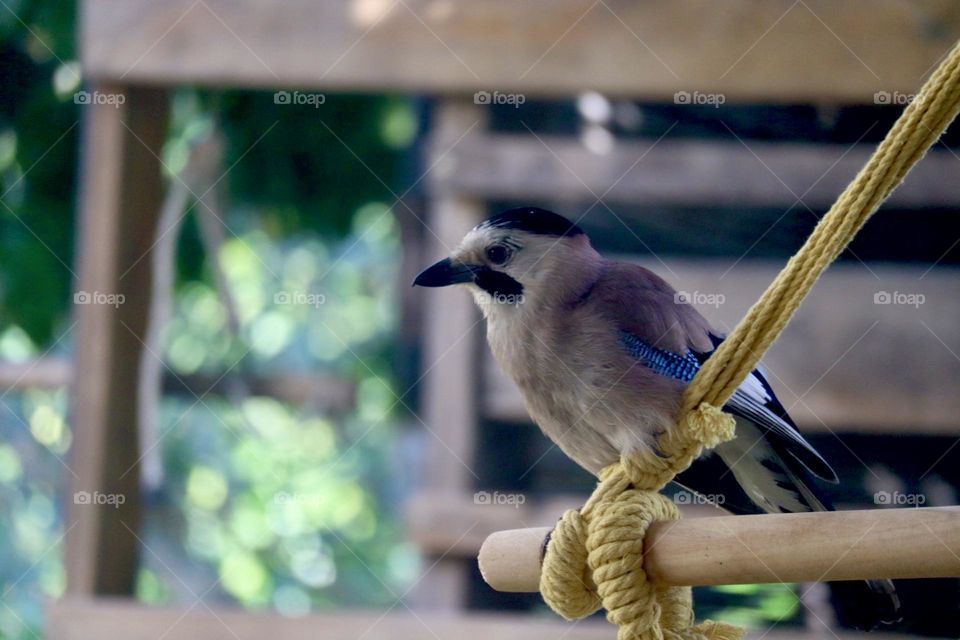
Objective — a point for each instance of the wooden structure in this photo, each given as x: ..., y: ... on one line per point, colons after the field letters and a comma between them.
x: 819, y: 51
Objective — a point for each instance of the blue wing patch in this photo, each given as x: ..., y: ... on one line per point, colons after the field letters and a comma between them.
x: 666, y: 363
x: 753, y: 400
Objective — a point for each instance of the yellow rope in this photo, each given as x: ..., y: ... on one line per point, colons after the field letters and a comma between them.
x: 595, y: 555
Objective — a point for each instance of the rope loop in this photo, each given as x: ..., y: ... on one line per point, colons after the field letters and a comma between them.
x: 595, y: 559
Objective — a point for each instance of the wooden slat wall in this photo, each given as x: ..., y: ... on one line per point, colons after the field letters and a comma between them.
x: 844, y: 363
x: 691, y: 173
x: 750, y: 50
x: 769, y: 51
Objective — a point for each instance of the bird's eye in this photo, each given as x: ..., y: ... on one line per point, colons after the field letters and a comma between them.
x: 498, y: 254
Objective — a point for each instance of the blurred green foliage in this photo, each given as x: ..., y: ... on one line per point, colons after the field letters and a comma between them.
x: 38, y: 143
x: 283, y: 507
x: 260, y: 503
x: 264, y: 504
x: 35, y: 437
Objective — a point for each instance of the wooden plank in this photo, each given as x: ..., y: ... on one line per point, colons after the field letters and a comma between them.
x: 119, y: 201
x: 328, y: 392
x: 451, y: 341
x: 453, y: 323
x: 825, y: 546
x: 690, y: 173
x: 319, y: 390
x: 44, y: 373
x: 845, y: 363
x: 457, y: 524
x: 76, y: 619
x: 749, y: 50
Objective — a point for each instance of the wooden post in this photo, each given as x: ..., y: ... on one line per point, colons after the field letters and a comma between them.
x: 794, y: 547
x: 450, y: 399
x: 120, y: 198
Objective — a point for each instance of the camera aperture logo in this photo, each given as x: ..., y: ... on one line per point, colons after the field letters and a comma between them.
x: 898, y: 499
x: 96, y: 498
x: 689, y: 497
x: 299, y: 298
x: 300, y: 98
x: 97, y: 297
x: 899, y: 298
x: 698, y: 297
x: 486, y: 497
x: 99, y: 98
x: 495, y: 97
x: 699, y: 98
x: 898, y: 98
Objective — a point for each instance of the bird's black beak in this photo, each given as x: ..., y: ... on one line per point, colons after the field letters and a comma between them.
x: 444, y: 273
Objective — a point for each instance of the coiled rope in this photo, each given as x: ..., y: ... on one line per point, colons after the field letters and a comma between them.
x: 595, y: 555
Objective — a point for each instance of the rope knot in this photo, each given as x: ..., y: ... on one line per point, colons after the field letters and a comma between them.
x: 708, y: 425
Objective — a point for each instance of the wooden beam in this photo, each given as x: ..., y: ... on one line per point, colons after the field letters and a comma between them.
x: 826, y: 546
x: 451, y: 341
x: 848, y: 362
x: 749, y: 50
x: 76, y: 619
x: 320, y: 390
x: 684, y: 173
x: 453, y: 323
x: 120, y: 197
x: 45, y: 373
x: 457, y: 524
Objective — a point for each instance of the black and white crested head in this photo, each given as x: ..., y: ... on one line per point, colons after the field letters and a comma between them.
x: 533, y: 220
x: 518, y: 260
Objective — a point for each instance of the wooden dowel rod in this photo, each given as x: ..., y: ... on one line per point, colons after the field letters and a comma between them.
x: 796, y: 547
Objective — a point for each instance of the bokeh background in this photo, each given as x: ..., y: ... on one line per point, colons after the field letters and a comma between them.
x: 285, y: 446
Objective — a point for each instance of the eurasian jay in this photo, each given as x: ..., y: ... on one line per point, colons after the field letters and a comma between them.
x: 602, y: 350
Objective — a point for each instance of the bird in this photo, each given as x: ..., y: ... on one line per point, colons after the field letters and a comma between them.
x: 601, y: 351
